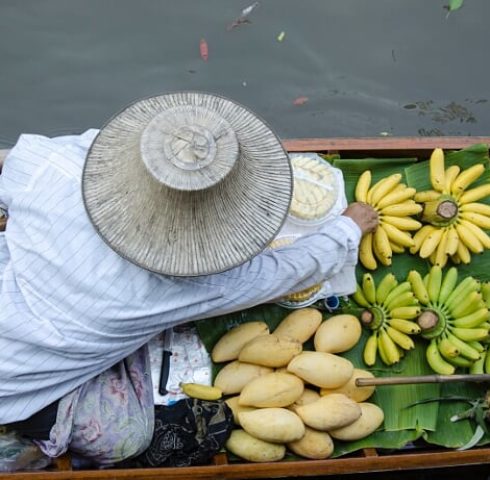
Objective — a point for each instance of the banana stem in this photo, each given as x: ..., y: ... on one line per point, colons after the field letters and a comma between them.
x: 367, y: 318
x: 439, y: 211
x: 428, y: 320
x: 372, y: 318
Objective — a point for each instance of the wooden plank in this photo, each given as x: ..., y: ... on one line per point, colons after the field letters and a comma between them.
x: 385, y: 145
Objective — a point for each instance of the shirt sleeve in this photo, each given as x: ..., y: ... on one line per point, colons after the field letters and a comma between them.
x: 270, y: 275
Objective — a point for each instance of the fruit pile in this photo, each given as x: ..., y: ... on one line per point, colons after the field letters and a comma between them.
x: 390, y: 309
x: 394, y: 203
x: 264, y: 379
x: 455, y: 219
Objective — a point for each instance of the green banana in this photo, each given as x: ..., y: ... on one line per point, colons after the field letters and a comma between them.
x: 434, y: 284
x: 404, y: 326
x: 370, y: 349
x: 404, y: 341
x: 398, y: 290
x: 470, y: 334
x: 472, y: 320
x: 368, y: 288
x: 460, y: 362
x: 386, y: 285
x: 418, y: 287
x: 478, y: 367
x: 405, y: 313
x: 477, y: 346
x: 447, y: 349
x: 448, y: 284
x: 406, y: 299
x: 468, y: 285
x: 465, y: 350
x: 485, y: 291
x: 473, y: 301
x: 359, y: 297
x: 435, y: 360
x: 487, y: 361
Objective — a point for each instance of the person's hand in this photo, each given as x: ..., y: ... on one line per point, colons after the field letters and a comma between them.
x: 364, y: 215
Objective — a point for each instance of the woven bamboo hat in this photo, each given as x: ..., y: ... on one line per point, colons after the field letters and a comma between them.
x: 187, y: 184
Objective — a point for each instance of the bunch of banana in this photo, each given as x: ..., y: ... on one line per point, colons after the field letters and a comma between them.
x: 394, y: 203
x: 390, y: 308
x: 455, y: 219
x: 454, y: 318
x: 483, y: 364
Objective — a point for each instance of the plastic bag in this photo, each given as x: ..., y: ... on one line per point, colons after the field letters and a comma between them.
x: 17, y: 453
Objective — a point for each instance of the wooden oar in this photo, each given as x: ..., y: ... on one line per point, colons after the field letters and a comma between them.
x: 477, y: 378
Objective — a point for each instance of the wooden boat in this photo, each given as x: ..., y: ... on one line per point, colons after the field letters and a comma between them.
x: 367, y: 460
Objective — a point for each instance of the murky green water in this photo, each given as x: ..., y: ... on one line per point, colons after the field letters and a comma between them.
x: 393, y: 66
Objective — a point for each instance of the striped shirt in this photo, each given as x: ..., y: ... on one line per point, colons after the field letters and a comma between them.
x: 70, y: 307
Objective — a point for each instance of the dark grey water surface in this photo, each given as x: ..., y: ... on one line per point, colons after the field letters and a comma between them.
x: 368, y: 68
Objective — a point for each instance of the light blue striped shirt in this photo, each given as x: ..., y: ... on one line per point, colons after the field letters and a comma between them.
x: 70, y: 307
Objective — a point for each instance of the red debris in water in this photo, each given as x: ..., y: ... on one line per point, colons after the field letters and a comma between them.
x: 203, y: 49
x: 300, y: 101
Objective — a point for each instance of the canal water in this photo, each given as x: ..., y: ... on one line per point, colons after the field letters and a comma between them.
x: 311, y: 68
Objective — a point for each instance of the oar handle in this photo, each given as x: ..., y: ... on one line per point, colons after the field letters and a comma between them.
x: 366, y: 382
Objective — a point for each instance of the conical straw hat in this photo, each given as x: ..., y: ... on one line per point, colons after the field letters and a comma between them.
x: 187, y: 184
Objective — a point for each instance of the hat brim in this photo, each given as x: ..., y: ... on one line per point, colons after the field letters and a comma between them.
x: 186, y: 233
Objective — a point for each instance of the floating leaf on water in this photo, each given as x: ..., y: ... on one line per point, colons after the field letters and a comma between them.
x: 281, y: 36
x: 453, y: 5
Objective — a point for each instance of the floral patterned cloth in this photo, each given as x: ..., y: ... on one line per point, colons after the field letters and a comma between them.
x: 109, y: 418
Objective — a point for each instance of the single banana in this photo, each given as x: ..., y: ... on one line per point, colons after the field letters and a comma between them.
x: 382, y: 244
x: 362, y: 186
x: 395, y: 248
x: 366, y: 252
x: 479, y: 220
x: 370, y: 350
x: 472, y: 320
x: 369, y: 288
x: 465, y: 349
x: 396, y: 197
x: 481, y: 208
x: 487, y: 362
x: 418, y: 287
x: 404, y: 209
x: 485, y: 291
x: 435, y: 282
x: 382, y: 353
x: 384, y: 187
x: 359, y: 297
x: 475, y: 194
x: 426, y: 196
x: 402, y: 223
x: 430, y: 243
x: 420, y: 237
x: 397, y: 291
x: 384, y: 287
x: 406, y: 299
x: 470, y: 334
x: 477, y: 346
x: 455, y: 258
x: 404, y: 326
x: 404, y: 341
x: 466, y: 286
x: 477, y: 232
x: 452, y: 240
x: 448, y: 285
x: 466, y: 178
x: 447, y: 349
x: 470, y: 303
x: 469, y: 239
x: 202, y: 392
x: 397, y: 236
x: 451, y: 174
x: 460, y: 362
x: 406, y: 313
x: 389, y: 347
x: 463, y: 254
x: 437, y: 172
x: 435, y: 360
x: 478, y: 367
x: 440, y: 253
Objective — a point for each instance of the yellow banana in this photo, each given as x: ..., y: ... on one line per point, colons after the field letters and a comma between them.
x: 441, y: 255
x: 405, y: 326
x: 472, y: 320
x: 404, y: 341
x: 481, y: 208
x: 406, y: 313
x: 430, y: 243
x: 404, y: 209
x: 447, y: 349
x: 369, y: 288
x: 202, y: 392
x: 362, y: 186
x: 382, y: 244
x: 470, y: 334
x: 406, y: 299
x: 463, y: 253
x: 386, y: 285
x: 437, y: 171
x: 384, y: 187
x: 471, y: 302
x: 418, y: 287
x: 396, y: 197
x: 366, y: 252
x: 427, y: 196
x: 402, y: 223
x: 451, y: 174
x: 397, y: 291
x: 466, y: 178
x: 397, y: 236
x: 447, y: 285
x: 420, y: 236
x: 452, y: 240
x: 477, y: 232
x: 435, y: 360
x: 475, y: 194
x: 455, y: 259
x: 389, y: 347
x: 359, y: 297
x: 382, y: 353
x: 435, y: 282
x: 467, y: 237
x: 395, y: 248
x: 479, y: 220
x: 370, y: 350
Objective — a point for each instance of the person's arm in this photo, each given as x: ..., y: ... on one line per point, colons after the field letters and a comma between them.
x: 310, y: 260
